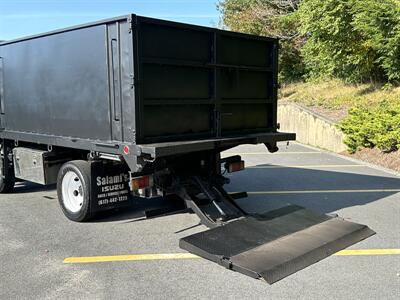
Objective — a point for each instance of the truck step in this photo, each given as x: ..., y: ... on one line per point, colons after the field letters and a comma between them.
x: 274, y: 245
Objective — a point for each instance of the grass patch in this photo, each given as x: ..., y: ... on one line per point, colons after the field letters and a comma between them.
x: 336, y: 95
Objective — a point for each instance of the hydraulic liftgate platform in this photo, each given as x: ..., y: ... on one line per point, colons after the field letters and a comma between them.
x: 268, y: 246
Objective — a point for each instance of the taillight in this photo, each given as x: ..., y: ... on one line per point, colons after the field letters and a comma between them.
x: 141, y: 182
x: 235, y: 166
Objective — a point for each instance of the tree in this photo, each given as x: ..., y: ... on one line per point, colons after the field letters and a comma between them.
x: 355, y: 40
x: 379, y: 22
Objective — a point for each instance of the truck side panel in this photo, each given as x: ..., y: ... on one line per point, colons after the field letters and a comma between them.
x: 58, y: 85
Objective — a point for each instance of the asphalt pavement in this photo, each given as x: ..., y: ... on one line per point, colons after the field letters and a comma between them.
x: 137, y: 258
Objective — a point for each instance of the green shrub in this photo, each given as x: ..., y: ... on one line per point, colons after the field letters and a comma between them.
x: 370, y: 127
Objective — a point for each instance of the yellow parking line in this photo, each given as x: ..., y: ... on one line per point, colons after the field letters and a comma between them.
x: 324, y: 191
x: 306, y: 166
x: 161, y: 256
x: 175, y: 256
x: 369, y: 252
x: 268, y: 153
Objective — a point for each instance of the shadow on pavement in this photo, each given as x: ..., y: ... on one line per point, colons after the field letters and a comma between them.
x: 299, y: 179
x: 268, y: 179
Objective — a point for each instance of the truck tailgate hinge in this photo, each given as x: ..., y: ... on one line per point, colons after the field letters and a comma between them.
x: 132, y: 80
x: 226, y: 262
x: 130, y: 24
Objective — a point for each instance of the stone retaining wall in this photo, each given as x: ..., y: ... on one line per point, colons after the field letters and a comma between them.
x: 311, y: 128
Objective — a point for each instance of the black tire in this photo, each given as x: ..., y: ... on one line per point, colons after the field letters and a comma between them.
x: 82, y: 171
x: 6, y: 184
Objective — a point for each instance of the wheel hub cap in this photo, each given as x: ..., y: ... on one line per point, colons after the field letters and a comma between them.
x: 72, y: 192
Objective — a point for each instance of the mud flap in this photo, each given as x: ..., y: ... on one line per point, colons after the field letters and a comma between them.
x: 109, y: 187
x: 276, y: 244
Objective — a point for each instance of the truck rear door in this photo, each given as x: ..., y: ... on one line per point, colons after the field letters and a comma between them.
x: 197, y: 82
x: 246, y: 83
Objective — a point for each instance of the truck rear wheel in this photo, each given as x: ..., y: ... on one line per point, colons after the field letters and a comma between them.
x: 6, y: 183
x: 73, y: 188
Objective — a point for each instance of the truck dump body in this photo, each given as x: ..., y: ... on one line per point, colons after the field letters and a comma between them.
x: 137, y: 80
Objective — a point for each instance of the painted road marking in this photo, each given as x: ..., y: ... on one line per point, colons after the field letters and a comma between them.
x: 324, y: 191
x: 176, y: 256
x: 268, y: 153
x: 161, y: 256
x: 350, y: 252
x: 306, y: 166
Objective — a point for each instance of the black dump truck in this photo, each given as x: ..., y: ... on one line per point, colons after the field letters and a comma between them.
x: 139, y: 107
